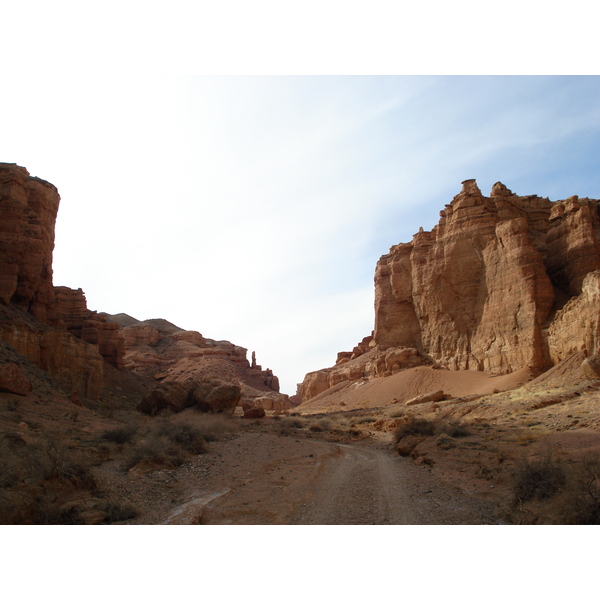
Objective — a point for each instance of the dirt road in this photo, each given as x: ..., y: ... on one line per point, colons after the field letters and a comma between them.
x: 260, y: 478
x: 368, y: 486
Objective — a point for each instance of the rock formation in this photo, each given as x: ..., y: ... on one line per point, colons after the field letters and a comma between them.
x: 54, y: 330
x: 161, y: 351
x: 71, y: 309
x: 28, y: 208
x: 13, y: 380
x: 502, y: 282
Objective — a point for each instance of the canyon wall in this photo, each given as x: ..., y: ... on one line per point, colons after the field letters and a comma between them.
x: 53, y: 328
x: 501, y: 283
x: 28, y: 209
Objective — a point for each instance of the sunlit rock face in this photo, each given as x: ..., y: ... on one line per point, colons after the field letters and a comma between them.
x: 501, y: 283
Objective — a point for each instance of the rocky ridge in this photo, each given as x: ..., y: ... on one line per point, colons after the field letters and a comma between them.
x: 502, y: 283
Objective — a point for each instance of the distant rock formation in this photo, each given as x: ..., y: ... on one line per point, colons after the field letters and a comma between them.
x: 162, y: 351
x: 502, y: 282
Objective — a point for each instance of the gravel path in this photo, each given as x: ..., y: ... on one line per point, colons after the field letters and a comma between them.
x: 371, y: 486
x: 261, y: 478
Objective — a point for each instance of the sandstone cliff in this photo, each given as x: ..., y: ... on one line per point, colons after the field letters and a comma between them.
x: 84, y: 351
x: 485, y: 289
x: 163, y: 352
x: 28, y: 207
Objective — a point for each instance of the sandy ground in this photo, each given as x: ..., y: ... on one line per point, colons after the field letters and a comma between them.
x: 409, y: 383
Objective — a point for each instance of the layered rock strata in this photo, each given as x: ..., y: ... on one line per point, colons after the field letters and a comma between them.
x: 72, y: 363
x: 28, y: 209
x: 71, y: 310
x: 501, y: 283
x: 161, y: 351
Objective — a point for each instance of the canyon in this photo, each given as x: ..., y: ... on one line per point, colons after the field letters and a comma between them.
x: 484, y: 354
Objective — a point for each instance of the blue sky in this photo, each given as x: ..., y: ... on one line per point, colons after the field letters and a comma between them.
x: 254, y: 207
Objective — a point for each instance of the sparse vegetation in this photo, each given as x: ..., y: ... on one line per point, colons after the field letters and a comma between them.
x: 581, y: 505
x: 120, y: 435
x: 12, y: 404
x: 451, y: 428
x: 414, y: 426
x: 540, y: 479
x: 117, y: 510
x: 395, y: 413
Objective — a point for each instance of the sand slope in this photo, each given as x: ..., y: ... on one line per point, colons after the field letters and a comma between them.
x: 410, y: 383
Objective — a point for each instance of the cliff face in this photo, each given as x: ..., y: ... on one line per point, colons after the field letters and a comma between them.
x: 28, y: 207
x: 71, y: 310
x: 28, y: 210
x: 485, y: 289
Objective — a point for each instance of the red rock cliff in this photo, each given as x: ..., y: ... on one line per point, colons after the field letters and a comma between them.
x: 28, y: 207
x: 486, y: 288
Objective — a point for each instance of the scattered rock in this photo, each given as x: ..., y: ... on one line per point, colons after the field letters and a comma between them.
x: 407, y: 445
x: 254, y: 413
x: 422, y: 399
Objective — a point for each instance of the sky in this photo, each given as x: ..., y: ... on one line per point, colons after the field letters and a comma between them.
x: 242, y: 180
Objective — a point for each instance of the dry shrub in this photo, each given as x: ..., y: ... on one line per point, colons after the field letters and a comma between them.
x: 451, y: 427
x: 117, y: 510
x: 167, y: 442
x: 120, y: 435
x: 188, y: 437
x: 214, y: 428
x: 559, y: 492
x: 292, y: 422
x: 538, y: 479
x: 322, y: 424
x: 361, y: 420
x: 581, y: 501
x: 414, y: 426
x: 12, y: 404
x: 156, y: 449
x: 37, y: 479
x: 395, y: 413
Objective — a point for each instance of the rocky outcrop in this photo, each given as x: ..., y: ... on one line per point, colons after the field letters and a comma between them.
x: 28, y: 208
x: 72, y: 363
x: 501, y: 283
x: 13, y: 380
x: 211, y: 396
x: 376, y: 362
x: 576, y: 326
x: 71, y: 309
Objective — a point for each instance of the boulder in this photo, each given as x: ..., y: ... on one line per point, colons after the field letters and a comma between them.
x: 591, y: 367
x: 406, y: 446
x: 423, y: 398
x: 175, y: 395
x: 217, y: 398
x: 13, y: 380
x: 254, y: 413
